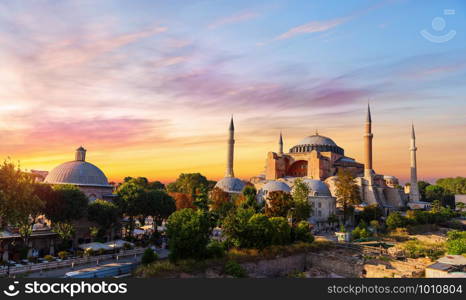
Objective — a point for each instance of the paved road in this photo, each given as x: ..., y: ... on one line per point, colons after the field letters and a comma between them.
x: 59, y: 273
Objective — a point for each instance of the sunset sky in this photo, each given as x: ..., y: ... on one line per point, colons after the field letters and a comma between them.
x: 148, y: 87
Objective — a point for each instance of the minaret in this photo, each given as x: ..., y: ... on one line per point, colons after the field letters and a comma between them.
x: 414, y: 189
x: 368, y: 144
x: 280, y: 144
x: 80, y: 154
x: 231, y: 148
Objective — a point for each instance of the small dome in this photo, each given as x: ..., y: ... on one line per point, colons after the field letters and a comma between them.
x: 78, y: 173
x: 230, y: 185
x: 274, y: 186
x: 317, y: 140
x: 318, y: 186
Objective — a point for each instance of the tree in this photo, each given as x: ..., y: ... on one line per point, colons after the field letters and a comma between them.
x: 189, y: 183
x: 19, y: 205
x: 371, y: 212
x: 422, y: 186
x: 188, y: 234
x: 278, y: 204
x: 302, y: 208
x: 182, y: 200
x: 105, y: 213
x: 159, y: 205
x: 148, y: 256
x: 435, y: 192
x: 249, y: 195
x: 281, y: 231
x: 65, y: 231
x: 218, y: 198
x: 71, y: 204
x: 436, y: 206
x: 346, y: 192
x: 260, y: 232
x: 395, y: 220
x: 131, y: 196
x: 302, y: 232
x: 455, y: 186
x: 201, y: 200
x: 235, y: 226
x: 460, y: 206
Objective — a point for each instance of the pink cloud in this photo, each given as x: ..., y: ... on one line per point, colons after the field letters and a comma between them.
x: 236, y: 18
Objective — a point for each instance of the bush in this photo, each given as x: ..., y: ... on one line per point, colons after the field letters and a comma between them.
x: 395, y: 220
x: 234, y: 269
x: 356, y: 233
x: 281, y: 231
x: 188, y: 234
x: 415, y: 249
x: 48, y: 258
x: 260, y: 232
x: 302, y: 232
x: 456, y: 243
x: 215, y: 249
x: 235, y: 227
x: 63, y: 254
x: 148, y: 256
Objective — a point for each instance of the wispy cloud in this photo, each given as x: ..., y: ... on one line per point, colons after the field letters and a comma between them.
x: 325, y: 25
x: 313, y: 26
x: 236, y: 18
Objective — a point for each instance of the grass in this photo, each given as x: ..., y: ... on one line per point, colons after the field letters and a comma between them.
x: 415, y: 248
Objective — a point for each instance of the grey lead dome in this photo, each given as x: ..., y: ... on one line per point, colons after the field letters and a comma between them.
x: 317, y: 140
x: 77, y: 172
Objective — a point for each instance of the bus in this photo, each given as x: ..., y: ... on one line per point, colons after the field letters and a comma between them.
x: 103, y: 271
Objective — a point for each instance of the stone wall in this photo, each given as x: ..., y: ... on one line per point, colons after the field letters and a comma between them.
x: 341, y: 262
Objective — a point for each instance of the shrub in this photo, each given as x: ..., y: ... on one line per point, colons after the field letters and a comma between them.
x: 456, y: 243
x: 302, y: 232
x: 281, y: 231
x: 188, y: 234
x: 48, y: 258
x: 234, y: 269
x: 260, y: 232
x: 415, y: 249
x: 215, y: 249
x: 364, y: 233
x: 356, y: 233
x: 235, y: 226
x: 148, y: 256
x: 63, y: 254
x: 395, y: 220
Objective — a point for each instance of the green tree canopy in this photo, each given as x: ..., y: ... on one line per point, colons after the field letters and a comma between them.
x: 300, y: 194
x: 105, y: 213
x: 455, y: 186
x: 188, y: 234
x: 188, y: 183
x: 70, y: 204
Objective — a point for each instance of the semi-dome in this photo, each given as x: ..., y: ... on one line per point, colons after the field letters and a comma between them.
x: 318, y: 187
x: 274, y: 186
x: 230, y: 185
x: 78, y: 172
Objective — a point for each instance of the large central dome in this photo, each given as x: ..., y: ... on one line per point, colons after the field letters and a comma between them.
x: 78, y: 172
x: 317, y: 143
x: 317, y: 140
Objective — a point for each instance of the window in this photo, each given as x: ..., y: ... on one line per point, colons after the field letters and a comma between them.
x: 319, y: 205
x: 319, y: 213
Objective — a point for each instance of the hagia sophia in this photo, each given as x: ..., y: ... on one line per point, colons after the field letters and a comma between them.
x: 317, y: 159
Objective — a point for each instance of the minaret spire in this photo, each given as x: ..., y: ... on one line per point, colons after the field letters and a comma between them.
x: 414, y: 189
x: 280, y: 144
x: 368, y: 144
x: 231, y: 149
